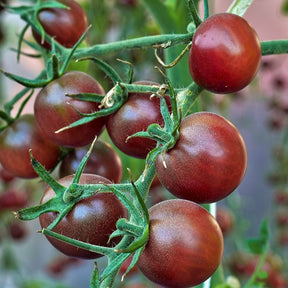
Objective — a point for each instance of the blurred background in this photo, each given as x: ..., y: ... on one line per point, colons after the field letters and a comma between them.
x: 260, y: 112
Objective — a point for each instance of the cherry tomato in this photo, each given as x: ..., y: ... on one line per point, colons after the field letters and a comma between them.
x: 15, y: 142
x: 17, y: 231
x: 91, y: 220
x: 135, y: 115
x: 225, y: 54
x: 60, y: 264
x: 66, y: 25
x: 208, y: 161
x: 53, y: 111
x: 103, y: 161
x: 6, y: 176
x: 225, y: 219
x: 13, y: 199
x: 128, y: 3
x: 185, y: 245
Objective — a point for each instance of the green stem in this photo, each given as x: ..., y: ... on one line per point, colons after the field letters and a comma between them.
x: 141, y: 42
x: 187, y: 99
x: 259, y: 266
x: 274, y: 47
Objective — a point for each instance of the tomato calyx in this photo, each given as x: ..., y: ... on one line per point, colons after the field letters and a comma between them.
x: 29, y: 12
x: 112, y: 101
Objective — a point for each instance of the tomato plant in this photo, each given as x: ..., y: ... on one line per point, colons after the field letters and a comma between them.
x: 66, y: 26
x: 139, y: 111
x: 103, y: 161
x: 208, y: 161
x: 15, y: 143
x: 92, y: 219
x: 185, y: 246
x: 198, y: 156
x: 55, y: 110
x: 225, y: 53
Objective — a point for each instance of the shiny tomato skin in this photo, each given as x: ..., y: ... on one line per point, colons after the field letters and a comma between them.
x: 53, y: 111
x: 139, y: 111
x: 208, y: 161
x: 185, y: 244
x: 91, y: 220
x: 103, y: 161
x: 66, y: 25
x: 225, y: 54
x: 15, y: 143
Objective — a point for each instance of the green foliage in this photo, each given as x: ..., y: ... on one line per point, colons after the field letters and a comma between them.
x: 284, y: 7
x: 260, y: 245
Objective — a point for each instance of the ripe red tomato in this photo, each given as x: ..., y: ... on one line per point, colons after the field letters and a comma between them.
x: 225, y: 219
x: 225, y: 53
x: 103, y: 161
x: 66, y: 25
x: 12, y: 199
x: 17, y: 230
x: 135, y: 115
x: 53, y: 112
x: 91, y: 220
x: 15, y: 142
x: 208, y: 161
x: 185, y: 245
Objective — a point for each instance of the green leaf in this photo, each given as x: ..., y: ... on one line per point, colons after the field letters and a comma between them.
x: 138, y: 242
x: 35, y: 83
x: 284, y: 7
x: 239, y: 7
x: 93, y: 248
x: 92, y: 97
x: 83, y: 162
x: 114, y: 265
x: 134, y: 261
x: 45, y: 176
x: 95, y: 280
x: 259, y: 245
x: 107, y: 69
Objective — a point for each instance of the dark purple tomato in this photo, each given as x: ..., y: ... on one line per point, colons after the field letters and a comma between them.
x: 225, y: 219
x: 103, y: 161
x: 15, y: 142
x: 134, y: 116
x: 66, y: 25
x: 53, y: 111
x: 128, y: 3
x: 91, y: 220
x: 13, y: 199
x: 17, y: 230
x: 208, y: 161
x: 225, y: 53
x: 185, y: 244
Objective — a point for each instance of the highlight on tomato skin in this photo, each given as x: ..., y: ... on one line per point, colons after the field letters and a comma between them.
x: 65, y: 25
x: 207, y: 163
x: 225, y: 54
x: 185, y: 245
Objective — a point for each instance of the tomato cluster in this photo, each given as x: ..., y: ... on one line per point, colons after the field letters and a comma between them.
x: 206, y: 162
